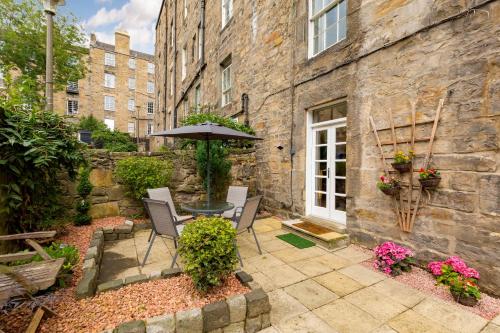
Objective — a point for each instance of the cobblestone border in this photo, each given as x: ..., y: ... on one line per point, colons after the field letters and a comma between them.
x: 247, y: 313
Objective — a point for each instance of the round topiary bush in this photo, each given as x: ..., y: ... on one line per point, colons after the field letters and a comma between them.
x: 207, y: 247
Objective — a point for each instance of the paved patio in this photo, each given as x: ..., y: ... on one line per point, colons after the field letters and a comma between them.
x: 314, y: 290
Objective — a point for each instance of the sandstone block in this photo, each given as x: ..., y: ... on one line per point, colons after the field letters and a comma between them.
x: 189, y: 321
x: 110, y: 285
x: 89, y: 263
x: 110, y: 237
x: 462, y: 201
x: 135, y: 326
x: 104, y: 210
x: 161, y: 324
x: 238, y: 327
x: 215, y: 316
x: 257, y: 303
x: 171, y: 272
x: 116, y: 193
x: 101, y: 177
x: 125, y: 236
x: 107, y: 230
x: 135, y: 279
x: 266, y: 320
x: 86, y: 286
x: 489, y: 194
x: 92, y: 252
x: 123, y: 229
x: 253, y: 325
x: 237, y: 308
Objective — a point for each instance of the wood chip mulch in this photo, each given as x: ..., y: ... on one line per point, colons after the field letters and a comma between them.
x: 107, y: 310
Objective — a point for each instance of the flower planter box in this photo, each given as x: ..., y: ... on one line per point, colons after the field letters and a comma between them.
x: 430, y: 183
x: 402, y: 167
x: 464, y: 300
x: 391, y: 191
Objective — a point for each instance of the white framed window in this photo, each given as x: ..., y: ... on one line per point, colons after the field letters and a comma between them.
x: 110, y: 123
x: 200, y: 41
x: 151, y: 87
x: 151, y: 68
x: 197, y: 98
x: 109, y: 103
x: 172, y: 34
x: 227, y: 11
x: 72, y: 107
x: 72, y: 86
x: 151, y: 107
x: 131, y: 104
x: 327, y: 24
x: 226, y: 82
x: 185, y: 12
x: 109, y: 59
x: 109, y: 80
x: 131, y: 83
x: 131, y: 63
x: 184, y: 63
x: 131, y: 127
x: 149, y: 127
x: 171, y: 82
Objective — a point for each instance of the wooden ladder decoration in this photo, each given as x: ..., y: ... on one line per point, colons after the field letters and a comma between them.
x: 406, y: 214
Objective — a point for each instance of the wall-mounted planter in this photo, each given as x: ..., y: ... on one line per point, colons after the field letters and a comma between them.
x: 402, y: 167
x: 430, y: 183
x: 392, y: 191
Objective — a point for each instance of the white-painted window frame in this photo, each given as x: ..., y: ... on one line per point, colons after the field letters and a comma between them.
x: 151, y: 68
x: 109, y: 59
x: 131, y: 127
x: 109, y: 80
x: 131, y: 83
x: 150, y: 87
x: 150, y: 107
x: 131, y: 63
x: 226, y: 85
x: 184, y: 63
x: 72, y: 109
x: 321, y: 14
x: 226, y: 11
x: 131, y: 104
x: 109, y: 103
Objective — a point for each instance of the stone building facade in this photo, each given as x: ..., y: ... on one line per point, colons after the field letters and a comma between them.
x: 307, y: 76
x: 117, y: 89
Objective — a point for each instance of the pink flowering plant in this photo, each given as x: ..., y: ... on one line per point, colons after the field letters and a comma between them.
x: 455, y: 273
x: 393, y: 259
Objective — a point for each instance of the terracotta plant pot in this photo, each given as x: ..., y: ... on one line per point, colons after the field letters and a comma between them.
x: 402, y: 167
x: 391, y: 191
x: 430, y: 183
x: 464, y: 300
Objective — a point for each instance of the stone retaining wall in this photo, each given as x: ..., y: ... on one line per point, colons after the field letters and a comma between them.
x: 109, y: 196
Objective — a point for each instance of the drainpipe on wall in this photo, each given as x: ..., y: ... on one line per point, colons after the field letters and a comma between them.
x: 175, y: 64
x: 165, y: 52
x: 202, y: 32
x: 244, y: 107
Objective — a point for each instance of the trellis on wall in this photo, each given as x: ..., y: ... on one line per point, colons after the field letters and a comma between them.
x: 408, y: 199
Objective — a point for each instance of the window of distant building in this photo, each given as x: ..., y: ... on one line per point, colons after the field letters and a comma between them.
x: 110, y: 123
x: 131, y: 83
x: 109, y: 103
x: 131, y: 105
x: 151, y: 87
x: 131, y: 127
x: 327, y: 24
x: 72, y: 86
x: 131, y: 63
x: 172, y: 33
x: 151, y: 68
x: 197, y: 98
x: 226, y: 81
x: 149, y: 128
x: 151, y: 107
x: 109, y: 59
x: 109, y: 80
x: 185, y: 10
x: 72, y: 107
x: 171, y: 82
x: 227, y: 11
x: 200, y: 41
x: 184, y: 63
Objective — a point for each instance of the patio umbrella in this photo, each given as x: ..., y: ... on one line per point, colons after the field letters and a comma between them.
x: 206, y: 131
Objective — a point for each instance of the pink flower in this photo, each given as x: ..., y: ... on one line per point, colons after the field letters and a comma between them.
x: 435, y: 267
x: 387, y: 270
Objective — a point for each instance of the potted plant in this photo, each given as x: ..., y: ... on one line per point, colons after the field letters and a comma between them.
x: 403, y: 161
x: 429, y: 178
x: 389, y: 185
x: 465, y: 290
x: 393, y: 259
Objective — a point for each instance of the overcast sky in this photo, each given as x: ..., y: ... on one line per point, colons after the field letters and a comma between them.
x: 137, y: 17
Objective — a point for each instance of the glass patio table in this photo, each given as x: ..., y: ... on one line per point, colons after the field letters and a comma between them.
x: 207, y: 208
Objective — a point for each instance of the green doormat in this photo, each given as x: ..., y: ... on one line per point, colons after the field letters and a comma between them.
x: 296, y: 241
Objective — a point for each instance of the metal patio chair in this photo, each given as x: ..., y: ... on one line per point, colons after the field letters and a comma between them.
x: 236, y: 195
x: 163, y: 224
x: 163, y: 194
x: 246, y: 220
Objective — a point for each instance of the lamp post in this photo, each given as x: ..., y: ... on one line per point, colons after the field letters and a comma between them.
x: 50, y: 10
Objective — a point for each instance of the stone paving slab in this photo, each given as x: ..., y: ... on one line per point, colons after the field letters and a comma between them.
x: 347, y: 318
x: 455, y: 318
x: 262, y: 262
x: 293, y: 254
x: 411, y: 321
x: 311, y: 294
x: 384, y: 329
x: 376, y: 304
x: 409, y: 297
x: 274, y: 245
x: 353, y: 254
x: 338, y: 283
x: 306, y: 322
x: 362, y: 275
x: 491, y: 328
x: 283, y: 275
x: 264, y: 281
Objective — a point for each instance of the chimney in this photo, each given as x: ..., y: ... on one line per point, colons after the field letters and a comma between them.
x: 122, y: 42
x: 93, y: 39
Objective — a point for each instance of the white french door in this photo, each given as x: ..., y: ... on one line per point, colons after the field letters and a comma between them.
x: 327, y: 176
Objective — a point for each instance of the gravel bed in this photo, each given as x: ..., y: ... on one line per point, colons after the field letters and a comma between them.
x: 488, y: 307
x: 107, y: 310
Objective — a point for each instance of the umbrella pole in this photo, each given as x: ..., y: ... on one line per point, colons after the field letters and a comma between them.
x: 208, y: 172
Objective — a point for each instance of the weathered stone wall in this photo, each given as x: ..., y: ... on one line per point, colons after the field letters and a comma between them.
x: 109, y: 197
x: 397, y: 55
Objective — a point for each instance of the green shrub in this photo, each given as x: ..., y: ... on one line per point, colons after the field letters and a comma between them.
x: 82, y: 206
x: 207, y: 247
x: 141, y: 173
x: 91, y: 124
x: 105, y: 138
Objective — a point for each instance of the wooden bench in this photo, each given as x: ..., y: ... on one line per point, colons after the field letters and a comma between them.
x: 29, y: 278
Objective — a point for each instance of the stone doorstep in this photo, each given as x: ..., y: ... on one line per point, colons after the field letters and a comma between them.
x: 330, y: 241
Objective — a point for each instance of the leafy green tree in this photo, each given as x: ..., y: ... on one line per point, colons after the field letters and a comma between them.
x: 22, y: 46
x: 105, y: 138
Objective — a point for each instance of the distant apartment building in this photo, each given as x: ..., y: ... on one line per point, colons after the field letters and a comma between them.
x: 117, y: 89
